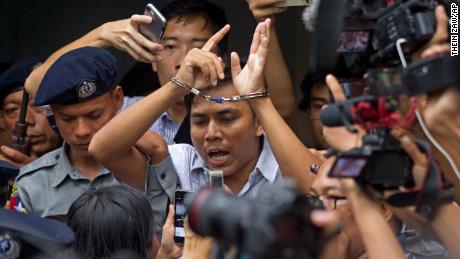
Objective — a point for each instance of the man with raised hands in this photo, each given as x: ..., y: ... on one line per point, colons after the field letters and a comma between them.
x: 226, y: 135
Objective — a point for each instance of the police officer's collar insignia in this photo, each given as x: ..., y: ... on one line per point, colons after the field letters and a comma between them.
x: 86, y: 89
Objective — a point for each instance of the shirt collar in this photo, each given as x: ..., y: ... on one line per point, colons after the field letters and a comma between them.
x: 63, y: 166
x: 266, y: 165
x: 65, y: 169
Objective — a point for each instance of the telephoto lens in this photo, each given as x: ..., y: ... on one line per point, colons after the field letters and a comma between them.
x: 274, y: 225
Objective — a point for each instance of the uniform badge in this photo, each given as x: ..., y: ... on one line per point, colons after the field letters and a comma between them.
x: 86, y: 89
x: 9, y: 248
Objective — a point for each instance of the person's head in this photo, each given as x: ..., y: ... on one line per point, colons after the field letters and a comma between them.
x: 190, y: 24
x: 331, y: 193
x: 112, y: 219
x: 43, y: 139
x: 316, y: 95
x: 79, y: 86
x: 226, y: 135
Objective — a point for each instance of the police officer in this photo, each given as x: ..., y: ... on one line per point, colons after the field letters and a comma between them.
x: 80, y: 89
x: 42, y: 138
x: 28, y: 236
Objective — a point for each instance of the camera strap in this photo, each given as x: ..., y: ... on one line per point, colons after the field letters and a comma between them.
x: 435, y: 190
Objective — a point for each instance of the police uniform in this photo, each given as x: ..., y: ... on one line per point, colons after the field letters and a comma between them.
x: 49, y: 185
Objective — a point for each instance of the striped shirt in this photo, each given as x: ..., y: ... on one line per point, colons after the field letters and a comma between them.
x: 185, y: 169
x: 163, y: 126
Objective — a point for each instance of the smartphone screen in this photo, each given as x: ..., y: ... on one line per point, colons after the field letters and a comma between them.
x: 348, y: 167
x: 354, y: 41
x: 181, y: 212
x: 353, y: 88
x: 386, y: 81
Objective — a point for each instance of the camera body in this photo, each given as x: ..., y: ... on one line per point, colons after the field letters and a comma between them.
x: 424, y: 76
x: 380, y: 162
x: 374, y: 27
x: 276, y: 224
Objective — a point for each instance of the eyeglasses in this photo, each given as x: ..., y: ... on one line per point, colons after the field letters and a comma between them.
x: 331, y: 202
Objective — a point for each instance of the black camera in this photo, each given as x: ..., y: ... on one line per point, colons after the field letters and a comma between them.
x: 380, y: 162
x: 275, y: 225
x: 374, y: 27
x: 424, y: 76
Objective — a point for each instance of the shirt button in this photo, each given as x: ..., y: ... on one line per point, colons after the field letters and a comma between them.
x: 163, y: 176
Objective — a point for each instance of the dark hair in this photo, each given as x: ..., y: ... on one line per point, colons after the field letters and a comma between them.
x: 139, y: 80
x: 309, y: 81
x: 111, y: 219
x: 186, y: 10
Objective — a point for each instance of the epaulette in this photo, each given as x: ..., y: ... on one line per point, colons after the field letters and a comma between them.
x: 47, y: 160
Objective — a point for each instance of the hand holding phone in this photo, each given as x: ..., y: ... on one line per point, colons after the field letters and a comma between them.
x: 154, y: 30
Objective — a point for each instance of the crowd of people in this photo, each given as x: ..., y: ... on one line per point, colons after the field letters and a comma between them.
x: 108, y: 165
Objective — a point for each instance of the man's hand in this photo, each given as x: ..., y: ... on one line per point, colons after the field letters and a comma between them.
x: 15, y: 157
x: 263, y: 9
x: 250, y: 79
x: 441, y: 34
x: 340, y: 138
x: 168, y: 248
x: 202, y: 67
x: 125, y: 35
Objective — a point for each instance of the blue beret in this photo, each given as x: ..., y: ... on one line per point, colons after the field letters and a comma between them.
x: 77, y: 76
x: 47, y: 235
x: 14, y: 77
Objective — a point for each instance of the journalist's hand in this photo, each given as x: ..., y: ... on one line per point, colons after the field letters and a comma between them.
x: 124, y: 35
x: 441, y: 34
x: 340, y: 138
x: 168, y: 248
x: 250, y: 79
x: 263, y: 9
x: 201, y: 67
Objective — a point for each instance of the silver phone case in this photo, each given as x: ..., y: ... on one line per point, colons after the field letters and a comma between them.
x: 154, y: 30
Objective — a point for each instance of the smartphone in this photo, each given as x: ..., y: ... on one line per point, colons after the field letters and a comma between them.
x: 346, y: 166
x: 153, y: 31
x: 287, y: 3
x: 180, y: 207
x: 354, y: 41
x: 216, y: 179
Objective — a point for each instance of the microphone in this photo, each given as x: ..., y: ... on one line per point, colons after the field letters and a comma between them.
x: 310, y: 14
x: 325, y: 19
x: 335, y: 114
x: 369, y: 111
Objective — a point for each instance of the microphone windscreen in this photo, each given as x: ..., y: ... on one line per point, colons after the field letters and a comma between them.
x: 331, y: 115
x: 309, y: 15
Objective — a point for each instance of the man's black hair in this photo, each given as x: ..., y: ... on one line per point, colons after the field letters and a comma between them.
x: 140, y: 80
x: 186, y: 10
x: 110, y: 220
x: 309, y: 81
